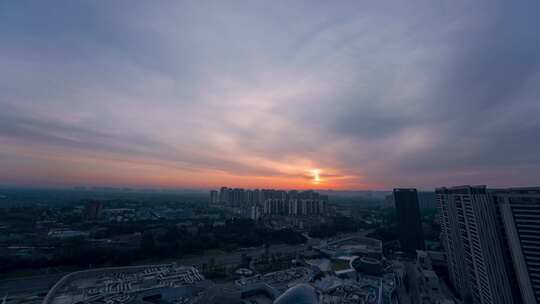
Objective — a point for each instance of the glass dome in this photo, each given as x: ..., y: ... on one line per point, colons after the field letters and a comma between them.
x: 299, y: 294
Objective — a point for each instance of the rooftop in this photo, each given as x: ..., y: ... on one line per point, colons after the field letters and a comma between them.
x: 120, y: 285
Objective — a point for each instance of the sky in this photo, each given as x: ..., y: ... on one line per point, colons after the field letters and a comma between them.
x: 260, y: 94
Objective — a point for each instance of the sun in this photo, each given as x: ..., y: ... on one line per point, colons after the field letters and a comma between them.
x: 316, y: 175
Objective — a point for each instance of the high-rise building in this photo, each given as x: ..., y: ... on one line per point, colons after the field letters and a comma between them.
x: 520, y: 215
x: 294, y: 203
x: 255, y: 212
x: 273, y: 202
x: 238, y: 197
x: 471, y: 239
x: 262, y: 196
x: 214, y: 199
x: 257, y: 197
x: 225, y: 195
x: 411, y: 236
x: 249, y: 197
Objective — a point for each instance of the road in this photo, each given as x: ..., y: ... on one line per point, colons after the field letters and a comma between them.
x: 37, y: 284
x: 34, y: 284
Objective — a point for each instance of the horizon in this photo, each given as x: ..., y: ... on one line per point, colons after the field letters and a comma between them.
x: 205, y: 190
x: 306, y: 95
x: 91, y: 188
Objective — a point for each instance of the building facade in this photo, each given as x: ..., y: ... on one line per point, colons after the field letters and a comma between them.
x: 519, y: 210
x: 472, y: 243
x: 410, y: 232
x: 225, y: 195
x: 272, y: 202
x: 214, y: 197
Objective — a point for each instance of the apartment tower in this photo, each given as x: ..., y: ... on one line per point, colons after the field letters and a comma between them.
x: 472, y: 242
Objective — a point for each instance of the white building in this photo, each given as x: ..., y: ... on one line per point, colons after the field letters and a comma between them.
x: 520, y: 214
x: 471, y: 239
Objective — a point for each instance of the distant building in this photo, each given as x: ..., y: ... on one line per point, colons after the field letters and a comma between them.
x: 255, y: 212
x: 238, y: 197
x: 225, y: 195
x: 473, y: 245
x: 388, y: 201
x: 269, y: 202
x: 306, y: 203
x: 273, y: 202
x: 257, y: 196
x: 94, y: 210
x: 249, y: 197
x: 214, y: 198
x: 427, y: 200
x: 520, y: 216
x: 410, y: 232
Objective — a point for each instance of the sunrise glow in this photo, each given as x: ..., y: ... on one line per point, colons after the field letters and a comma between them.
x: 316, y: 176
x: 266, y: 95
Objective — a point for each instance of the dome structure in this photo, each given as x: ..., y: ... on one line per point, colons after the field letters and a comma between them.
x: 299, y: 294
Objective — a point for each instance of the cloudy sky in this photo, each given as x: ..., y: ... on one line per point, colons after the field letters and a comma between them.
x: 292, y: 94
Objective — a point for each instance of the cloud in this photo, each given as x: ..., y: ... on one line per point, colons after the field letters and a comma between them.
x: 374, y: 95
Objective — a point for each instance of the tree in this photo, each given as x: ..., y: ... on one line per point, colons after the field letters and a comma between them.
x: 148, y: 244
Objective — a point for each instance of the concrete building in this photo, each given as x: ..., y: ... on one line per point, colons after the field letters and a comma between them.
x: 238, y: 197
x: 473, y: 246
x: 520, y: 215
x: 255, y: 212
x: 293, y: 203
x: 273, y: 202
x: 225, y: 195
x: 250, y: 197
x: 257, y: 196
x: 411, y: 236
x: 214, y: 197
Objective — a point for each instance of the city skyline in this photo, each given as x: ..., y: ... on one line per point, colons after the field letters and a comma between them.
x: 304, y: 95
